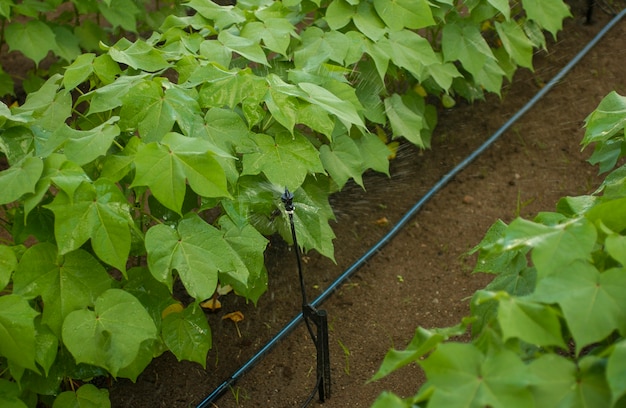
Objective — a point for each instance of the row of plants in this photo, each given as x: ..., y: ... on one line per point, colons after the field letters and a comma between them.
x: 147, y: 175
x: 549, y: 330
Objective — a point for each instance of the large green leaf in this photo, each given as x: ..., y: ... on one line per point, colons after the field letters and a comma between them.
x: 195, y: 250
x: 78, y: 71
x: 65, y: 283
x: 607, y: 120
x: 532, y: 322
x: 410, y: 51
x: 248, y: 246
x: 463, y: 377
x: 285, y: 160
x: 592, y: 302
x: 343, y: 160
x: 165, y: 167
x: 110, y: 335
x: 516, y: 43
x: 404, y: 121
x: 98, y: 211
x: 554, y: 246
x: 345, y: 111
x: 139, y: 55
x: 548, y: 14
x: 83, y: 146
x: 245, y: 47
x: 401, y: 14
x: 17, y: 331
x: 464, y: 42
x: 187, y: 334
x: 33, y: 38
x: 223, y: 16
x: 275, y: 32
x: 20, y: 179
x: 153, y: 107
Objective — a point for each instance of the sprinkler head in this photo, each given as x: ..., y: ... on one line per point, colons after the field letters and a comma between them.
x: 287, y: 199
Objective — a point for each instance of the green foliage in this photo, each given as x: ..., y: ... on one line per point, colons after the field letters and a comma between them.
x: 550, y: 329
x: 149, y: 171
x: 66, y: 29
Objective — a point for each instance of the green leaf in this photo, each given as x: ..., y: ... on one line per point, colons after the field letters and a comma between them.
x: 194, y: 249
x: 424, y: 341
x: 548, y: 14
x: 516, y: 43
x: 109, y: 336
x: 401, y: 14
x: 120, y: 13
x: 338, y: 14
x: 153, y: 110
x: 17, y: 331
x: 374, y: 152
x: 319, y: 46
x: 410, y: 51
x: 556, y: 380
x: 529, y: 321
x: 342, y: 160
x: 345, y: 111
x: 187, y: 334
x: 164, y: 167
x: 615, y: 245
x: 10, y: 393
x: 616, y: 371
x: 87, y: 396
x: 592, y: 302
x: 502, y: 6
x: 8, y: 263
x: 82, y: 146
x: 46, y: 346
x: 465, y: 43
x: 245, y: 47
x: 20, y: 179
x: 223, y: 16
x: 153, y: 295
x: 404, y: 121
x: 98, y: 211
x: 555, y: 246
x: 248, y: 247
x: 462, y: 376
x: 33, y: 38
x: 285, y: 160
x: 139, y: 55
x: 111, y: 96
x: 607, y: 120
x: 311, y: 218
x: 275, y: 32
x: 78, y: 71
x: 65, y: 284
x: 368, y: 22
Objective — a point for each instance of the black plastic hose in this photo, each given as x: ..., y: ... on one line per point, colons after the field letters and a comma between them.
x: 289, y: 327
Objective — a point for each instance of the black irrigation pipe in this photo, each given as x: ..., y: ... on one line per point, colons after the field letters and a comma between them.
x: 289, y: 327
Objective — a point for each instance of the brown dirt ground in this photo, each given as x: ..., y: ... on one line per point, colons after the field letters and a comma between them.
x: 423, y: 276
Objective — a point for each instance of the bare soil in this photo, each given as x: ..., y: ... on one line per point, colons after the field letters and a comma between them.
x: 423, y: 276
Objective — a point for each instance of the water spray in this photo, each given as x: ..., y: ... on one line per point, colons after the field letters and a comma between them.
x: 318, y: 317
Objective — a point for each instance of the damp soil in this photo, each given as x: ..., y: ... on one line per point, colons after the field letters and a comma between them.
x: 423, y: 276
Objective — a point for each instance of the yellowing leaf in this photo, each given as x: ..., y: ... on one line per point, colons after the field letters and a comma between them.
x: 234, y: 316
x: 212, y: 304
x: 173, y: 308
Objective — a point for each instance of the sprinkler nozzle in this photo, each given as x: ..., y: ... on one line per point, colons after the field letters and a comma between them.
x: 287, y: 199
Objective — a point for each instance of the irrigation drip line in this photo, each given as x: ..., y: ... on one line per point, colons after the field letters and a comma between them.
x: 289, y: 327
